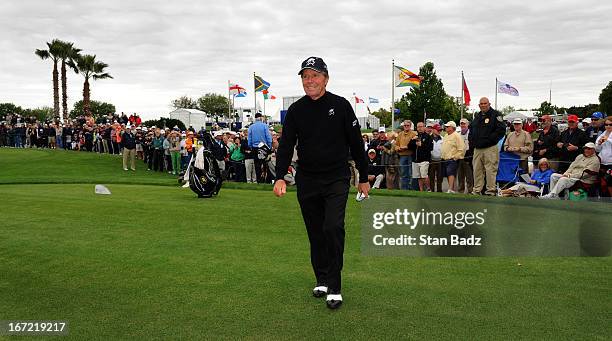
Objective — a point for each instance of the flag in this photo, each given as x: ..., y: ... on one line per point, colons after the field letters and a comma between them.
x: 506, y: 88
x: 404, y: 77
x: 373, y: 100
x: 242, y: 94
x: 236, y: 90
x: 267, y: 94
x: 261, y: 84
x: 358, y: 100
x: 466, y: 93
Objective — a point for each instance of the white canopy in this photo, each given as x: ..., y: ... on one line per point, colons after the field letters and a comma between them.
x: 190, y: 117
x: 523, y: 115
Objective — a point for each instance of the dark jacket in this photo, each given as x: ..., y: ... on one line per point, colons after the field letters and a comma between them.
x: 128, y: 140
x: 374, y: 167
x: 486, y: 129
x: 546, y: 141
x: 576, y: 137
x: 422, y: 153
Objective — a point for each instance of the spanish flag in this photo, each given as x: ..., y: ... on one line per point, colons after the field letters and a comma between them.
x: 404, y: 77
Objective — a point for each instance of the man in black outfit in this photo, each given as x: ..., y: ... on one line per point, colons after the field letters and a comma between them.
x: 326, y: 128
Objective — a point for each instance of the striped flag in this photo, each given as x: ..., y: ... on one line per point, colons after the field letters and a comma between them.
x: 236, y: 90
x: 505, y: 88
x: 372, y: 100
x: 404, y: 77
x: 261, y: 84
x: 358, y: 100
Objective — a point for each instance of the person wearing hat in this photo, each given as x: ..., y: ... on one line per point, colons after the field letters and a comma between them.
x: 259, y: 132
x: 585, y: 169
x: 405, y: 154
x: 327, y: 130
x: 453, y: 150
x: 128, y: 142
x: 486, y: 129
x: 603, y: 146
x: 570, y: 143
x: 465, y: 172
x: 422, y: 146
x: 545, y: 146
x: 596, y: 126
x: 520, y: 143
x: 375, y: 169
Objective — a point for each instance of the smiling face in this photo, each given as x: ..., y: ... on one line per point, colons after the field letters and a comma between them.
x: 314, y: 83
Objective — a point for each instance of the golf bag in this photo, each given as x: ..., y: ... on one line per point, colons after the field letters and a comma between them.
x: 203, y: 172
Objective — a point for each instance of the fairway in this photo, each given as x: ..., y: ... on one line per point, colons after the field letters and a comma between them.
x: 151, y: 261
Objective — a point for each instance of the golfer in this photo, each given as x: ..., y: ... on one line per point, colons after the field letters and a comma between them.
x: 325, y: 128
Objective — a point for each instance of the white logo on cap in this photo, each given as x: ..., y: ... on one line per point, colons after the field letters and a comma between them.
x: 330, y: 112
x: 310, y: 61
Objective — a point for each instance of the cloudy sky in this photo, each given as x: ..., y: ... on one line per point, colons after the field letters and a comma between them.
x: 160, y: 50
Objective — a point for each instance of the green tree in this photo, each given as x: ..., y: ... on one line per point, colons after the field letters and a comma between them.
x: 508, y: 109
x: 90, y: 68
x: 68, y: 54
x: 184, y: 102
x: 429, y: 98
x: 452, y: 110
x: 384, y: 116
x: 546, y: 108
x: 53, y: 52
x: 97, y: 109
x: 42, y: 114
x: 165, y: 122
x: 213, y: 104
x: 605, y: 99
x: 9, y: 108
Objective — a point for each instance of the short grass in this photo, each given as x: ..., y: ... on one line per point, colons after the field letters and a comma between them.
x: 153, y: 262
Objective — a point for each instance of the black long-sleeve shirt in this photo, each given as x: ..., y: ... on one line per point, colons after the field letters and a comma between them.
x: 324, y: 130
x: 486, y: 129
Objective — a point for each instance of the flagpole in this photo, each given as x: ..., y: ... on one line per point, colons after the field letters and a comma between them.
x: 229, y: 101
x: 255, y: 98
x: 495, y: 93
x: 462, y: 90
x: 392, y: 95
x: 550, y: 94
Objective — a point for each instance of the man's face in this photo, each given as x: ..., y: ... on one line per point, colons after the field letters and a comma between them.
x: 547, y: 122
x: 407, y: 126
x: 572, y: 124
x: 588, y: 152
x: 372, y: 156
x: 449, y: 129
x: 484, y: 105
x: 420, y: 127
x: 314, y: 83
x: 375, y: 135
x: 382, y: 136
x: 518, y: 127
x: 463, y: 125
x: 429, y: 130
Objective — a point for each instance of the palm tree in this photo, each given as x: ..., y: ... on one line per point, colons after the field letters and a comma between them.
x: 52, y: 53
x: 90, y: 68
x: 68, y: 54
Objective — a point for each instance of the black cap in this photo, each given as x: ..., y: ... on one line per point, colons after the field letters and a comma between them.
x: 314, y: 63
x: 258, y: 115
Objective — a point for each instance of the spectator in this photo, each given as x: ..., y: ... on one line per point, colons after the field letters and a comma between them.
x: 465, y: 172
x: 585, y: 168
x: 570, y: 143
x: 596, y: 127
x: 540, y: 178
x: 128, y: 142
x: 520, y: 143
x: 405, y: 154
x: 375, y: 170
x: 436, y: 174
x: 366, y: 141
x: 530, y: 126
x: 603, y: 145
x: 422, y: 144
x: 175, y: 151
x: 486, y: 130
x: 158, y: 151
x: 390, y: 160
x: 453, y: 149
x: 546, y: 144
x: 237, y: 159
x: 259, y: 132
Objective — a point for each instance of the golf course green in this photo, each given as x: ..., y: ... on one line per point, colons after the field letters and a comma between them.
x: 153, y: 262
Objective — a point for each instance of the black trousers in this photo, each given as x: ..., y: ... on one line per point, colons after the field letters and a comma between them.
x: 323, y: 205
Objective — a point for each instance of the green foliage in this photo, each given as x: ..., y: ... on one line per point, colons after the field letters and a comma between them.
x: 42, y: 114
x: 213, y: 104
x: 605, y: 99
x: 384, y: 116
x: 508, y: 109
x: 547, y: 109
x: 165, y: 122
x: 430, y: 97
x: 9, y: 108
x: 97, y: 109
x: 184, y: 102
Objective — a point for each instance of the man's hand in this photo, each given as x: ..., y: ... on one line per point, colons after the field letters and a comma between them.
x: 364, y: 188
x: 571, y: 147
x: 280, y: 188
x: 542, y: 152
x: 559, y: 144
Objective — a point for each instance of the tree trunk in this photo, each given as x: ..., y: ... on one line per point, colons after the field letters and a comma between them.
x: 86, y: 97
x: 56, y: 106
x: 64, y: 93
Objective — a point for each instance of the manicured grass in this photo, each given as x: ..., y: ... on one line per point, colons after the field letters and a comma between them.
x: 153, y: 262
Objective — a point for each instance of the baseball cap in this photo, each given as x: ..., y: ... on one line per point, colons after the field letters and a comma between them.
x: 381, y: 129
x: 517, y: 121
x: 587, y: 120
x: 429, y: 124
x: 314, y: 63
x: 598, y: 115
x: 464, y: 120
x: 545, y: 117
x: 437, y: 127
x: 371, y: 151
x: 451, y: 124
x: 589, y: 145
x: 572, y: 118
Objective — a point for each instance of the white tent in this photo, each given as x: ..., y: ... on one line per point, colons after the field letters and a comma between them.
x: 190, y: 117
x: 523, y: 115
